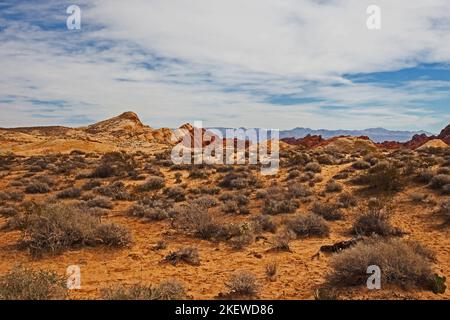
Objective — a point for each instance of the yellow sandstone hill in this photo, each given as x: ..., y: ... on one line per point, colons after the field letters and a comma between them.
x: 124, y: 132
x: 435, y: 143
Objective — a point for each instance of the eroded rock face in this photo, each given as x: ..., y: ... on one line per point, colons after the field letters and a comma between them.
x: 445, y: 134
x: 309, y: 141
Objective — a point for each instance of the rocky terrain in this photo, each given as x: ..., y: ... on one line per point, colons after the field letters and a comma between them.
x: 108, y: 200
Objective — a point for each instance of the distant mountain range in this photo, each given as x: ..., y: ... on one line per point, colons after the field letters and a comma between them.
x: 375, y: 134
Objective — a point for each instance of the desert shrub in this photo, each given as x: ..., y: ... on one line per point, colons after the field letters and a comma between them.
x: 152, y: 183
x: 383, y: 177
x: 8, y: 211
x: 293, y: 174
x: 37, y: 187
x: 176, y: 193
x: 313, y: 167
x: 198, y: 222
x: 150, y: 209
x: 238, y: 180
x: 242, y: 284
x: 271, y: 270
x: 402, y: 263
x: 197, y: 173
x: 263, y: 222
x: 310, y: 225
x: 446, y: 189
x: 116, y: 191
x: 347, y: 200
x: 418, y: 197
x: 439, y: 181
x: 91, y: 184
x: 27, y: 284
x: 243, y: 236
x: 55, y: 227
x: 233, y: 206
x: 325, y: 159
x: 70, y: 193
x: 211, y: 190
x: 11, y: 196
x: 103, y: 171
x: 329, y: 211
x: 298, y: 190
x: 361, y: 165
x: 275, y: 206
x: 187, y: 255
x: 280, y: 242
x: 333, y: 186
x: 205, y: 201
x: 306, y: 176
x: 375, y: 220
x: 444, y: 211
x: 100, y: 202
x: 424, y: 176
x: 168, y: 290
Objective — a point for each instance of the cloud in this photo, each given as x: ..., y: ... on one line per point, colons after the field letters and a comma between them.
x: 255, y: 63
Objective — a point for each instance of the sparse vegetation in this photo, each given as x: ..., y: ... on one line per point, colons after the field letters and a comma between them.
x: 403, y: 263
x: 22, y: 283
x: 55, y: 227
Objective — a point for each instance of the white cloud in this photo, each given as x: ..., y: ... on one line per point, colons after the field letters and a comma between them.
x: 221, y: 61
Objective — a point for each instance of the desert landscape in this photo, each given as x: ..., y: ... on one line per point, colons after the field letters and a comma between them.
x: 107, y: 199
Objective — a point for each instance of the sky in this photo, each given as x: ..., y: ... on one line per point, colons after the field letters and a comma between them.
x: 229, y: 63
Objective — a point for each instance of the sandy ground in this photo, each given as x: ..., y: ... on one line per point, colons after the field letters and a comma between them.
x: 298, y: 274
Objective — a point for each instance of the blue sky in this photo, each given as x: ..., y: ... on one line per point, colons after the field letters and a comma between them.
x: 253, y: 63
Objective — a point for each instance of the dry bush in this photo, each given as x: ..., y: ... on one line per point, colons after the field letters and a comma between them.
x: 11, y: 196
x: 402, y: 263
x: 176, y: 193
x: 188, y: 255
x: 198, y: 222
x: 205, y: 201
x: 37, y: 187
x: 444, y: 212
x: 375, y: 220
x: 383, y: 177
x: 293, y: 174
x: 55, y: 227
x: 242, y: 284
x: 310, y: 225
x: 262, y: 223
x: 103, y: 171
x: 280, y: 242
x: 313, y: 167
x: 238, y: 180
x: 152, y: 183
x: 115, y: 190
x: 100, y: 202
x: 27, y: 284
x: 329, y: 211
x: 235, y: 203
x: 271, y: 270
x: 70, y: 193
x: 347, y: 200
x: 298, y: 190
x: 91, y: 184
x: 439, y: 181
x: 150, y: 209
x: 244, y: 236
x: 361, y: 165
x: 8, y: 211
x: 333, y: 186
x: 168, y: 290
